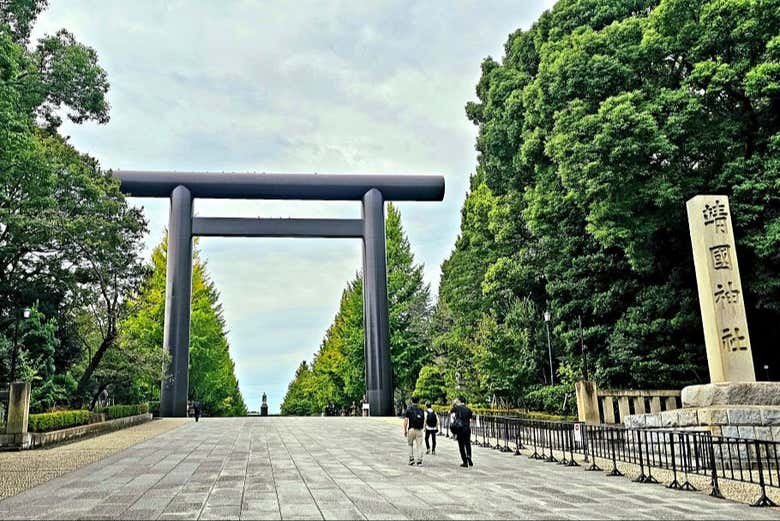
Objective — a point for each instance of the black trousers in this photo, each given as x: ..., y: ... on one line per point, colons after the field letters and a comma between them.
x: 432, y: 435
x: 464, y: 445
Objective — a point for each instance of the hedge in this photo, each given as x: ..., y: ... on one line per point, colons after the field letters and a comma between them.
x: 520, y: 413
x: 113, y: 412
x: 52, y: 421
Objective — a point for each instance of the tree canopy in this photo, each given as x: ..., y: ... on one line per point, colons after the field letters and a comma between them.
x: 597, y: 125
x: 69, y: 243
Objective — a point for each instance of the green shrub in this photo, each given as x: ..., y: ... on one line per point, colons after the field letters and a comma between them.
x: 52, y: 421
x: 430, y: 385
x: 113, y: 412
x: 552, y: 399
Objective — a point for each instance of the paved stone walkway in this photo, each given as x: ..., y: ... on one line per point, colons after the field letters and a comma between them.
x: 340, y: 468
x: 20, y: 470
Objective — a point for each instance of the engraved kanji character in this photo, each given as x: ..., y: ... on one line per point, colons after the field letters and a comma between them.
x: 728, y: 295
x: 732, y: 340
x: 721, y: 257
x: 715, y: 214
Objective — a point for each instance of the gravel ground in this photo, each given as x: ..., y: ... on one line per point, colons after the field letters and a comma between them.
x: 22, y: 470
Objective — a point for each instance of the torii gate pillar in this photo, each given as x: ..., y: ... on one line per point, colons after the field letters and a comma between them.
x: 379, y: 367
x: 178, y: 297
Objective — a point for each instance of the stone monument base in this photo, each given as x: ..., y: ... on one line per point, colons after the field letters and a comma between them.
x: 748, y: 410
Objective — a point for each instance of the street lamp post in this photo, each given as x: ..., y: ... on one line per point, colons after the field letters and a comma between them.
x: 549, y: 345
x: 15, y: 353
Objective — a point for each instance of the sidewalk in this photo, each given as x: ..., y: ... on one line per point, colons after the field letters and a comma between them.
x: 338, y: 468
x: 22, y: 470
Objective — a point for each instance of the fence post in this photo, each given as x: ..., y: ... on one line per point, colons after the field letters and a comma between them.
x: 614, y: 471
x: 642, y: 478
x: 571, y: 463
x: 586, y: 443
x: 649, y: 478
x: 519, y: 424
x: 674, y: 484
x: 551, y: 458
x: 535, y: 440
x: 714, y: 470
x: 763, y: 501
x: 686, y: 460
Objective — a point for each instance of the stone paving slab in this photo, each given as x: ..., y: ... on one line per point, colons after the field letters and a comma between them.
x: 20, y: 470
x: 340, y: 468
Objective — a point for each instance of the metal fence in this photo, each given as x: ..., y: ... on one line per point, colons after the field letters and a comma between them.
x: 680, y: 452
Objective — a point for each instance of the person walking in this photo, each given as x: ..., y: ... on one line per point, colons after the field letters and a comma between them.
x: 431, y: 428
x: 197, y: 410
x: 461, y: 427
x: 414, y: 422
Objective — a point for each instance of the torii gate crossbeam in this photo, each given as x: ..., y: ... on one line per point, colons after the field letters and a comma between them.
x: 371, y: 190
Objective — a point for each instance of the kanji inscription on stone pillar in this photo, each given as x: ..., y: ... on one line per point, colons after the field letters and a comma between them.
x: 721, y: 296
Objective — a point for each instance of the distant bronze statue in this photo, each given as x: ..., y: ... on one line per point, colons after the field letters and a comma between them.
x: 264, y: 406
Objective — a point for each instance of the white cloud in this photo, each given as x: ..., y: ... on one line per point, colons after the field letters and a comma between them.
x: 340, y: 86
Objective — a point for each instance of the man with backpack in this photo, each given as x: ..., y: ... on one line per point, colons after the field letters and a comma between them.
x: 431, y: 428
x: 414, y: 422
x: 461, y: 428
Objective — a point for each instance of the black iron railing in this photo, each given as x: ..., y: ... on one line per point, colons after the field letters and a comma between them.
x: 682, y: 453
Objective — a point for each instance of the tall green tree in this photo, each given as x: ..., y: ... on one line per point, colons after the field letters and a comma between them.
x: 595, y: 128
x: 212, y: 379
x: 337, y: 373
x: 68, y: 240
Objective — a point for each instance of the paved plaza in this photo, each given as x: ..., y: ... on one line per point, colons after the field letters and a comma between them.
x: 340, y: 468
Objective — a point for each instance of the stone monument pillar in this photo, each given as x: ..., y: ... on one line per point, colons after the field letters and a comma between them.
x: 264, y: 406
x: 721, y: 298
x: 18, y: 408
x: 733, y: 404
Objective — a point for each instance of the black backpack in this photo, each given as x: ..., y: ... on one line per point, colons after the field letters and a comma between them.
x: 416, y: 418
x: 430, y: 419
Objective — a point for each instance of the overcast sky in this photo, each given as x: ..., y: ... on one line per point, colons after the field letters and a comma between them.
x: 304, y: 86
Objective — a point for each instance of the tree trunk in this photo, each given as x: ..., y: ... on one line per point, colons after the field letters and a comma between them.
x: 101, y: 387
x: 107, y: 342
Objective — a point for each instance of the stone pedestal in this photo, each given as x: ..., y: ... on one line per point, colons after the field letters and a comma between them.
x: 264, y: 410
x: 749, y: 410
x: 18, y: 408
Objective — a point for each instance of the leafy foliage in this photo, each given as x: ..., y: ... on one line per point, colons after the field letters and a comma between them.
x: 120, y: 411
x: 212, y: 371
x: 69, y: 243
x: 594, y: 129
x: 336, y: 375
x: 52, y: 421
x: 430, y: 385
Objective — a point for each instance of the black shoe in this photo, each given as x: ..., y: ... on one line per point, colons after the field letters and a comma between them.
x: 471, y: 463
x: 411, y: 462
x: 419, y: 463
x: 433, y: 452
x: 464, y: 465
x: 428, y: 451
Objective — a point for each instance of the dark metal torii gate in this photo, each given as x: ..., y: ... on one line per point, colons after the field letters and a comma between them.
x: 371, y: 190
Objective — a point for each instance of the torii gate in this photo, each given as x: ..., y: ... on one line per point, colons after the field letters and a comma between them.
x: 371, y: 190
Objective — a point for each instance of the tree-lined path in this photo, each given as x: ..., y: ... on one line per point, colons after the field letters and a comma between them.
x: 340, y: 468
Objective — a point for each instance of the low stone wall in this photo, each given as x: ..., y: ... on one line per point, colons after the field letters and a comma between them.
x: 40, y: 439
x: 748, y: 410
